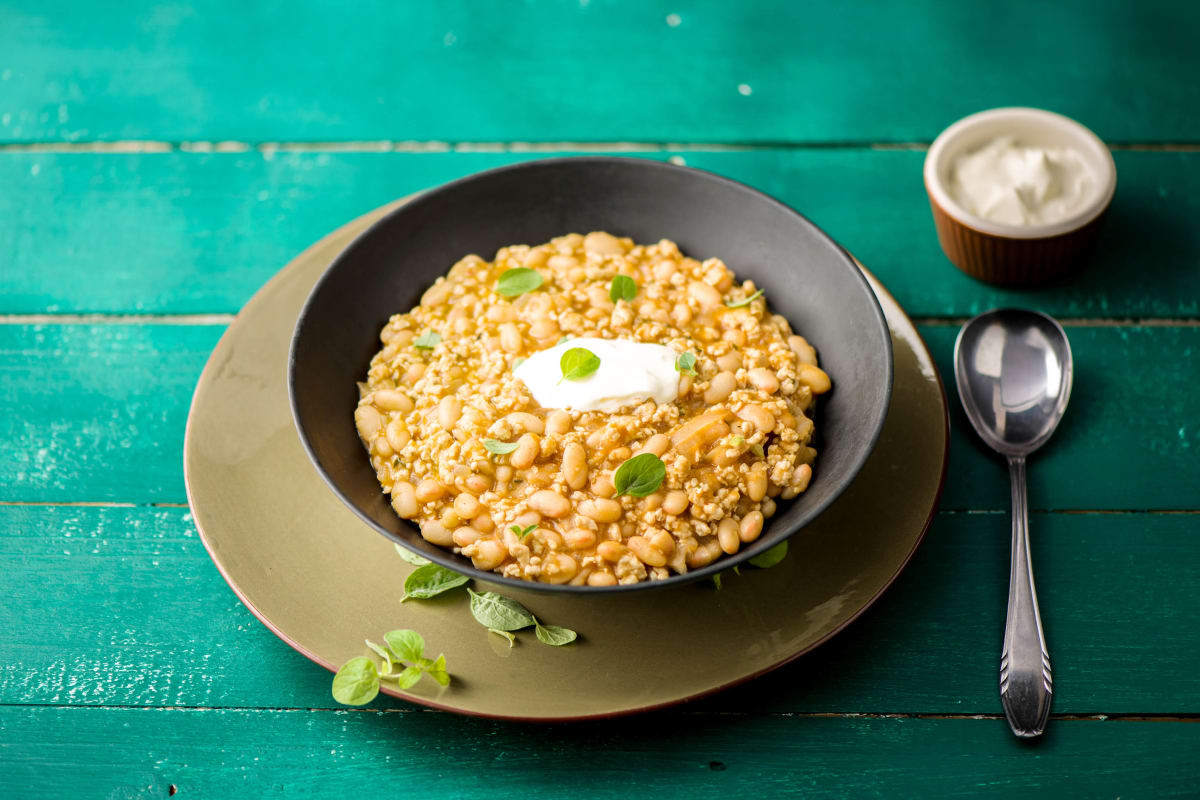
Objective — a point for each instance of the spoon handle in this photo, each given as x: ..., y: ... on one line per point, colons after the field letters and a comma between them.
x: 1026, y: 687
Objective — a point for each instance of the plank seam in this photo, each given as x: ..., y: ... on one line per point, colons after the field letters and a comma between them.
x: 225, y: 318
x: 132, y: 146
x: 1184, y: 717
x: 90, y: 504
x: 116, y: 319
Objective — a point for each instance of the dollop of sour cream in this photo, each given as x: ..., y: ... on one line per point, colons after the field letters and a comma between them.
x: 629, y: 374
x: 1014, y: 185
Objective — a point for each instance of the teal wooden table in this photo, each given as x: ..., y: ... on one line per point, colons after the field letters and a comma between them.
x: 159, y: 162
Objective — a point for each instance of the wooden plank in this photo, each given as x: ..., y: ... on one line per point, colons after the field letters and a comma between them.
x: 196, y: 233
x: 1126, y: 441
x: 96, y: 413
x: 667, y: 70
x: 106, y: 752
x: 141, y: 618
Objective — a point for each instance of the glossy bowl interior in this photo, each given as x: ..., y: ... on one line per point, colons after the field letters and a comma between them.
x: 806, y: 276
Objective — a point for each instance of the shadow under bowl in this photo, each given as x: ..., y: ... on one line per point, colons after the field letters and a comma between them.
x: 805, y: 275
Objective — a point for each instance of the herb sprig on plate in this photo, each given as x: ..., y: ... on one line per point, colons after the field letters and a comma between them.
x: 503, y: 615
x: 404, y: 660
x: 431, y: 580
x: 764, y: 560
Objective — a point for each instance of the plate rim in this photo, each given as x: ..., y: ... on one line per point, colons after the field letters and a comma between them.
x: 205, y: 378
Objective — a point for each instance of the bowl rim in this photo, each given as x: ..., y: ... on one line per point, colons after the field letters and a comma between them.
x: 940, y: 194
x: 449, y: 560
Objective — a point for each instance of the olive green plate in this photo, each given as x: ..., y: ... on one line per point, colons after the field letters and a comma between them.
x: 322, y: 580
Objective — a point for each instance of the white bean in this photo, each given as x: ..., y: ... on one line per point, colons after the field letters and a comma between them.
x: 720, y: 387
x: 550, y: 504
x: 526, y: 452
x: 574, y: 464
x: 448, y: 412
x: 764, y: 380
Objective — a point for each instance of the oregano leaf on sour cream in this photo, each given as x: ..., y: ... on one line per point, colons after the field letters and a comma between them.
x: 578, y: 363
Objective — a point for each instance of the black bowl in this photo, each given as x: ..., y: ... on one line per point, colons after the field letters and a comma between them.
x: 806, y: 276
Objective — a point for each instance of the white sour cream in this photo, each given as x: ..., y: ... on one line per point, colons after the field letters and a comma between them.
x: 630, y: 373
x: 1014, y: 185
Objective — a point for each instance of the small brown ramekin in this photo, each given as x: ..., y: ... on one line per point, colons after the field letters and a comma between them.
x: 1016, y: 255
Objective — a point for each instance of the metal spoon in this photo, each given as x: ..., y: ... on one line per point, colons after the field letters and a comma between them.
x: 1013, y: 370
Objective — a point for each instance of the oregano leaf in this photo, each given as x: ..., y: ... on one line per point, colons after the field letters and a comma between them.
x: 640, y: 476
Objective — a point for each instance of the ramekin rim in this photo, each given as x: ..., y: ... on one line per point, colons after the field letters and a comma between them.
x: 940, y: 194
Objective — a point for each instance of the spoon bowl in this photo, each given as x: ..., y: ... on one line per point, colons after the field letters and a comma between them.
x: 1013, y: 370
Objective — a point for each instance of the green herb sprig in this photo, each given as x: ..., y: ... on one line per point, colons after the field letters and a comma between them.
x: 516, y: 282
x: 764, y: 560
x: 411, y: 557
x: 577, y: 363
x: 523, y: 532
x: 623, y: 288
x: 553, y: 635
x: 501, y: 615
x: 431, y: 580
x: 744, y: 302
x: 509, y: 635
x: 427, y: 340
x: 640, y: 475
x: 357, y: 682
x: 493, y: 610
x: 771, y: 557
x: 499, y: 448
x: 685, y: 364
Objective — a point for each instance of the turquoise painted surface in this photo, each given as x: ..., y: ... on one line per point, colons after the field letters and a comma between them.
x: 199, y: 233
x: 603, y: 70
x: 128, y: 668
x: 140, y: 753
